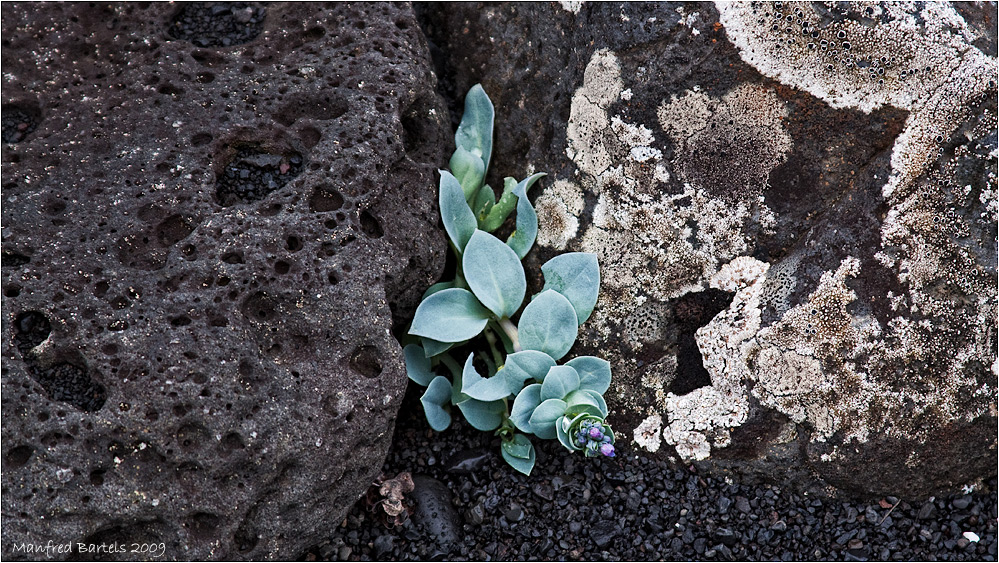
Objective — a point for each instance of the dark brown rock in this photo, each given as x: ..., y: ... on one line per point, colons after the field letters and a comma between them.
x: 211, y: 215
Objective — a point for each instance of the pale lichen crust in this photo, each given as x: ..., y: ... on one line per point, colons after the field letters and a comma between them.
x: 667, y: 217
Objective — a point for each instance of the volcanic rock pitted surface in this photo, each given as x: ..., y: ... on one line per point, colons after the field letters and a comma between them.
x: 822, y: 175
x: 212, y: 214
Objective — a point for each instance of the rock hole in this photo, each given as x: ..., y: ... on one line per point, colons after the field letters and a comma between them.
x: 202, y: 525
x: 182, y: 320
x: 18, y: 456
x: 293, y: 244
x: 200, y: 139
x: 691, y: 312
x: 252, y: 174
x: 11, y: 259
x: 282, y: 267
x: 191, y: 436
x: 370, y: 225
x: 31, y: 328
x: 17, y: 121
x: 232, y: 257
x: 325, y: 198
x: 364, y: 360
x: 218, y: 24
x: 324, y: 107
x: 259, y: 307
x: 173, y: 229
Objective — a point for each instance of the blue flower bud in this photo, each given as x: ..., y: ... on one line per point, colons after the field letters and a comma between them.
x: 607, y: 450
x: 595, y: 433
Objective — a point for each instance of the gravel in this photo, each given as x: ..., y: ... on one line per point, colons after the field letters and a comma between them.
x: 638, y: 508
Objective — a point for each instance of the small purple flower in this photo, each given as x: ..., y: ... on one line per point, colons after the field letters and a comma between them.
x: 607, y: 450
x: 596, y: 434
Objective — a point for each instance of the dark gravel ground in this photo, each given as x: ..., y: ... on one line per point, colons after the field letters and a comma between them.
x: 469, y: 505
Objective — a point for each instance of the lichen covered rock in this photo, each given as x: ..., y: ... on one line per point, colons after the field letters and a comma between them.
x: 211, y: 215
x: 794, y: 208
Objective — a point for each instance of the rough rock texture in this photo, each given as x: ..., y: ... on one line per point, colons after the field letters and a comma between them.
x: 794, y: 207
x: 211, y: 215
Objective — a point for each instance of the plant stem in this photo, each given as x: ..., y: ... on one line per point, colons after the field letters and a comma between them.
x: 491, y: 337
x: 511, y: 331
x: 452, y: 365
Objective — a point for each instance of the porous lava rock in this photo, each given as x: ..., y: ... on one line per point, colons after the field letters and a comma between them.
x: 794, y: 208
x: 212, y: 216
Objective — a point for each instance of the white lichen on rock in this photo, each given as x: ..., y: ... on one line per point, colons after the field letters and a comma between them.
x: 914, y: 56
x: 648, y: 433
x: 652, y: 243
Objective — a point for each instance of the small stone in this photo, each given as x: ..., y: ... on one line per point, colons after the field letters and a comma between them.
x: 962, y: 502
x: 383, y: 545
x: 514, y: 514
x: 742, y: 505
x: 604, y: 532
x: 927, y: 511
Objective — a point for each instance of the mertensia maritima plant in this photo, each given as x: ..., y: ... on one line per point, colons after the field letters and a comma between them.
x: 525, y: 392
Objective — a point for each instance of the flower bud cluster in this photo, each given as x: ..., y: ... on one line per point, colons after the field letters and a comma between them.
x: 593, y: 436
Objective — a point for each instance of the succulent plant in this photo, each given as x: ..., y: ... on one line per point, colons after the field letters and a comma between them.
x: 525, y: 390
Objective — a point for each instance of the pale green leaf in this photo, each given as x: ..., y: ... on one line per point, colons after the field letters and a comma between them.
x: 523, y: 407
x: 475, y: 133
x: 544, y: 417
x: 451, y: 315
x: 560, y: 381
x: 576, y: 275
x: 524, y: 365
x: 526, y: 231
x: 469, y: 170
x: 433, y: 347
x: 594, y: 373
x: 483, y: 415
x: 519, y: 463
x: 506, y: 204
x: 417, y: 364
x: 459, y: 221
x: 438, y: 393
x: 480, y: 388
x: 548, y: 324
x: 494, y: 274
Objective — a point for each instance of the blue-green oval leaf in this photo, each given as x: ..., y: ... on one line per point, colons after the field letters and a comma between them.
x: 576, y: 275
x: 548, y: 324
x: 523, y: 406
x: 469, y: 170
x: 560, y: 381
x: 437, y: 287
x: 459, y: 221
x: 433, y: 347
x: 451, y: 315
x: 475, y: 133
x: 518, y: 446
x: 483, y: 389
x: 494, y: 274
x: 526, y: 232
x: 483, y: 415
x: 524, y: 365
x: 594, y: 373
x: 417, y: 364
x: 438, y: 394
x: 544, y: 417
x: 582, y: 401
x: 521, y: 464
x: 561, y: 426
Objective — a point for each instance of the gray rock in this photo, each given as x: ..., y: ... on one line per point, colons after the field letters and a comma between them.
x: 203, y: 250
x: 795, y: 270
